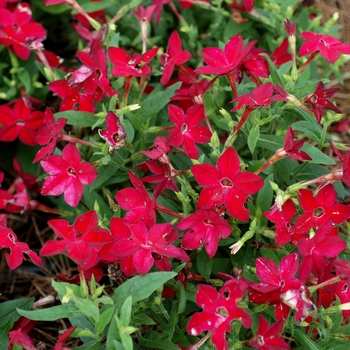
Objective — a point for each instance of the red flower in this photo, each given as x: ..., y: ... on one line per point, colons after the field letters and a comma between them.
x: 81, y: 241
x: 278, y: 287
x: 267, y: 337
x: 68, y: 175
x: 283, y: 220
x: 226, y: 184
x: 19, y: 30
x: 135, y: 245
x: 184, y: 4
x: 62, y: 338
x: 319, y: 100
x: 48, y: 134
x: 9, y: 240
x: 20, y: 122
x: 115, y: 134
x: 73, y: 98
x: 159, y: 150
x: 292, y: 148
x: 174, y: 56
x: 126, y: 65
x: 19, y: 334
x: 144, y: 14
x: 188, y: 131
x: 281, y: 55
x: 219, y: 310
x: 324, y: 244
x: 140, y: 205
x: 222, y: 62
x: 163, y: 177
x: 318, y: 209
x: 330, y: 48
x: 245, y: 6
x: 343, y: 293
x: 204, y: 227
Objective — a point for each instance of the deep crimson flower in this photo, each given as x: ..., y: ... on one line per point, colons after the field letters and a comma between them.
x: 137, y: 201
x: 93, y: 72
x: 19, y: 334
x: 159, y: 150
x: 68, y: 175
x: 283, y: 220
x: 253, y: 65
x: 278, y: 287
x: 135, y: 245
x: 242, y: 5
x: 268, y: 337
x: 174, y: 56
x: 343, y: 268
x: 188, y: 131
x: 73, y: 98
x: 281, y: 54
x: 184, y: 4
x: 52, y: 59
x: 81, y: 241
x: 222, y: 62
x: 204, y: 227
x: 159, y: 8
x: 28, y: 180
x: 343, y: 293
x: 318, y: 209
x: 292, y: 148
x: 291, y: 28
x: 314, y: 250
x: 144, y: 14
x: 329, y: 47
x: 226, y: 184
x: 126, y: 65
x: 9, y: 240
x: 48, y: 134
x: 163, y: 177
x: 115, y: 134
x: 20, y: 122
x: 319, y: 100
x: 19, y: 30
x: 345, y: 161
x: 219, y: 310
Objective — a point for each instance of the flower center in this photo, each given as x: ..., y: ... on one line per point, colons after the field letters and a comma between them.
x: 208, y: 222
x: 71, y: 171
x: 318, y: 212
x: 20, y: 122
x: 183, y: 128
x: 223, y: 312
x: 226, y: 182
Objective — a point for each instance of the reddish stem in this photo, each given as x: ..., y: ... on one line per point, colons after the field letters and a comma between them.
x: 309, y: 60
x: 72, y: 139
x: 231, y: 79
x: 127, y: 87
x: 165, y: 210
x: 244, y: 118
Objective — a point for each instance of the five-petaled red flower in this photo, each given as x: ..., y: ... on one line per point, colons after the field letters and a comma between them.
x: 267, y: 337
x: 135, y: 245
x: 222, y: 62
x: 188, y: 131
x: 219, y: 310
x: 48, y: 135
x: 81, y: 241
x: 174, y: 56
x: 68, y: 175
x: 204, y: 227
x: 292, y: 148
x: 329, y: 47
x: 20, y: 122
x: 319, y: 100
x: 226, y: 184
x: 126, y: 65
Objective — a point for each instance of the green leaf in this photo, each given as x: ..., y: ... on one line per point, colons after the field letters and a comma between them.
x: 9, y: 309
x: 317, y: 156
x: 152, y: 105
x: 130, y: 132
x: 275, y: 76
x: 125, y: 312
x: 310, y: 128
x: 264, y: 198
x: 302, y: 339
x: 51, y: 314
x: 4, y: 330
x: 91, y: 345
x: 83, y: 119
x: 270, y: 142
x: 143, y: 319
x: 182, y: 295
x: 158, y: 341
x: 253, y: 137
x: 104, y: 174
x: 141, y: 287
x: 204, y: 264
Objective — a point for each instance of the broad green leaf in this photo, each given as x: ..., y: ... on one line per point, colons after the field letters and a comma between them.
x: 141, y: 287
x: 181, y: 293
x: 130, y: 132
x: 91, y: 345
x: 9, y: 309
x: 253, y: 137
x: 4, y: 330
x: 83, y: 119
x: 318, y: 157
x: 51, y: 314
x: 104, y: 174
x: 264, y: 198
x: 151, y: 106
x: 125, y: 312
x: 143, y: 319
x: 204, y: 264
x: 158, y: 341
x: 275, y: 76
x: 270, y: 142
